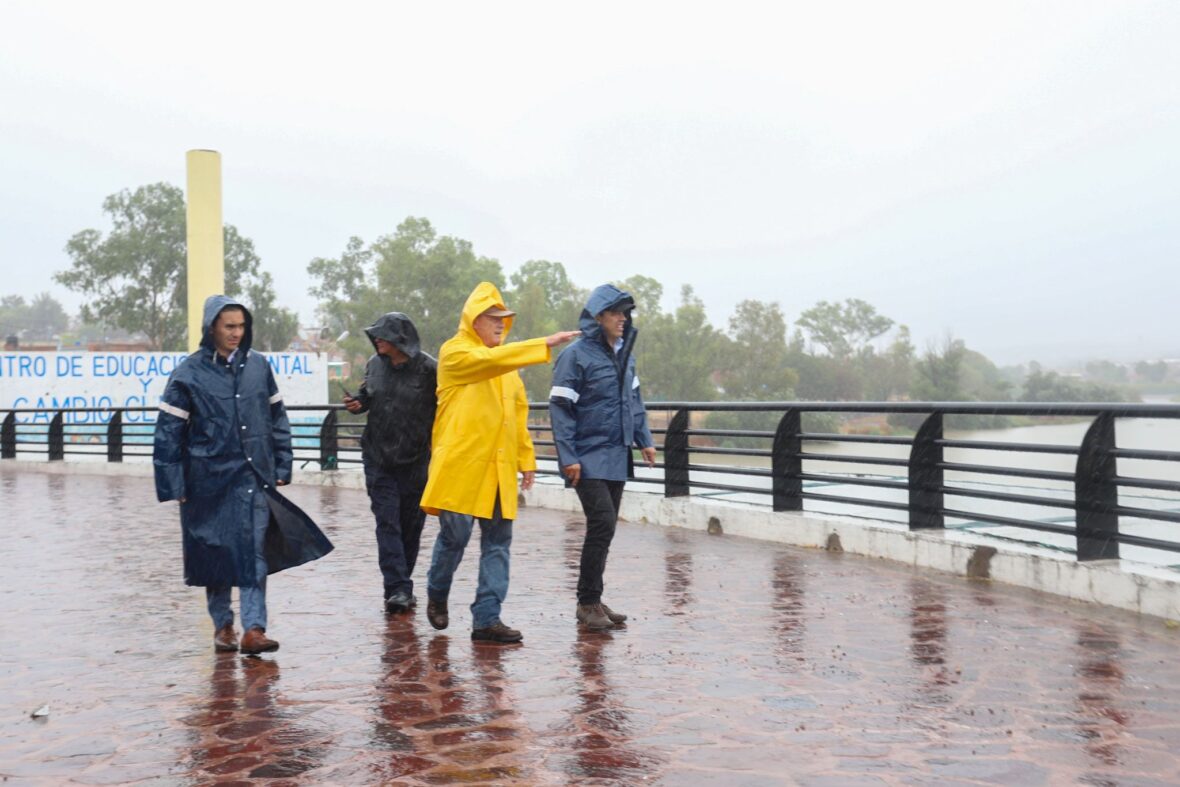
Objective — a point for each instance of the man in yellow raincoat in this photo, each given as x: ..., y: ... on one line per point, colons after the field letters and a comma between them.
x: 480, y: 442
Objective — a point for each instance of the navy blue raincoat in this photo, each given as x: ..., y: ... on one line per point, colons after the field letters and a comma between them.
x: 223, y: 435
x: 595, y: 405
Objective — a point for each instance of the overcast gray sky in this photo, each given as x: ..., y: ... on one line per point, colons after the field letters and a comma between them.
x: 1006, y: 171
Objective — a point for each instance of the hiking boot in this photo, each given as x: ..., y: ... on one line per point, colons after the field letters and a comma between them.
x: 436, y: 613
x: 225, y: 640
x: 615, y: 617
x: 592, y: 617
x: 497, y: 632
x: 256, y: 641
x: 398, y: 602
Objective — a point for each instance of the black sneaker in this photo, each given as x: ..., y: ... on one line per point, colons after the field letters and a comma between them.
x: 399, y: 602
x: 497, y: 632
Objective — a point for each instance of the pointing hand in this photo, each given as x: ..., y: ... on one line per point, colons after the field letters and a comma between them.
x: 561, y: 337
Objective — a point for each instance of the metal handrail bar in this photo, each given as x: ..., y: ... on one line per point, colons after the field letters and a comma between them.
x: 862, y: 460
x: 1095, y: 482
x: 1035, y: 448
x: 1044, y: 475
x: 825, y: 437
x: 1008, y: 497
x: 1139, y: 453
x: 1148, y: 483
x: 855, y: 480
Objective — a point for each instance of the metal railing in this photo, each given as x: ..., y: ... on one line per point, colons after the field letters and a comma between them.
x: 784, y: 468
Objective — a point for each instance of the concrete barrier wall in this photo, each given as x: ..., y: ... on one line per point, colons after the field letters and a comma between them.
x: 1148, y: 590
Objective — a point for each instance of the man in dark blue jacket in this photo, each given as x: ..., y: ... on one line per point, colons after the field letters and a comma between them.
x: 222, y: 445
x: 598, y: 415
x: 398, y: 394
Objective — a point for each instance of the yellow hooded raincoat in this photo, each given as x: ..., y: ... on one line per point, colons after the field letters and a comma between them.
x: 481, y: 438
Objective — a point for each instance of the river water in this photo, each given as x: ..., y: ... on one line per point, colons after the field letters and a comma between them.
x: 1154, y: 434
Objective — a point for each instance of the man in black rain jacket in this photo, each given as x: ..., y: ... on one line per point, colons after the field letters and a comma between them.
x: 399, y: 395
x: 222, y: 445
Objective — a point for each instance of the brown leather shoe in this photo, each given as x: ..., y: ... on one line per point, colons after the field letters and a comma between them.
x: 256, y: 641
x: 436, y: 613
x: 497, y: 632
x: 615, y: 617
x: 592, y: 617
x: 225, y: 639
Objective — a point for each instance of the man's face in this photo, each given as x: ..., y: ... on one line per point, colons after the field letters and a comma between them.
x: 390, y: 351
x: 613, y: 322
x: 489, y: 329
x: 228, y: 330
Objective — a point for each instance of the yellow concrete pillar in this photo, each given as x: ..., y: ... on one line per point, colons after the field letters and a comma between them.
x: 206, y: 240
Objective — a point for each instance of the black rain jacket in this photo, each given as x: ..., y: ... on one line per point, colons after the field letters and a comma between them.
x: 400, y: 400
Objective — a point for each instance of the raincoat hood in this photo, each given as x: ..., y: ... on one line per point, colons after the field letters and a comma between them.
x: 605, y: 296
x: 485, y: 296
x: 214, y: 305
x: 397, y: 329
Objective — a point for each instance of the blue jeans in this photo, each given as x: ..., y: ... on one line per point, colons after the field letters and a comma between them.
x: 495, y: 542
x: 394, y: 496
x: 251, y: 599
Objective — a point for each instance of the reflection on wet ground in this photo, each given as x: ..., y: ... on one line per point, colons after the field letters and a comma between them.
x: 743, y: 663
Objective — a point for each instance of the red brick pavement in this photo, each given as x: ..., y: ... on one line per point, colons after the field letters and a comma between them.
x: 745, y: 663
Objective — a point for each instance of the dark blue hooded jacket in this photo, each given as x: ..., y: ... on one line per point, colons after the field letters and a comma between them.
x: 595, y: 405
x: 222, y: 432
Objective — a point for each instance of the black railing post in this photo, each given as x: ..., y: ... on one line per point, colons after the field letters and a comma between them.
x: 925, y: 472
x: 786, y: 463
x: 676, y: 456
x: 8, y: 437
x: 115, y: 437
x: 57, y: 450
x: 329, y: 442
x: 1096, y: 493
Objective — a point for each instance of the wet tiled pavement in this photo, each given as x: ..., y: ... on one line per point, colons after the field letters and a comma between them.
x: 745, y: 663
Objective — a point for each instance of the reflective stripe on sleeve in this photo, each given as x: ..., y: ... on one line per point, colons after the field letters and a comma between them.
x: 276, y: 398
x: 568, y: 393
x: 635, y: 382
x: 176, y: 411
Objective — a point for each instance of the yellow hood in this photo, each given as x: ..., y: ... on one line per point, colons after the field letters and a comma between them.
x: 485, y: 296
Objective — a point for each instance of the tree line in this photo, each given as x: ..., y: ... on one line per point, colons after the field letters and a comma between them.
x: 133, y: 278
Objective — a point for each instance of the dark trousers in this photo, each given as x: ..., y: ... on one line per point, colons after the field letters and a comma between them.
x: 394, y: 495
x: 600, y: 501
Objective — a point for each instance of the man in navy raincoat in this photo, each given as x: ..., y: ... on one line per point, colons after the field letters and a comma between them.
x: 222, y: 445
x: 398, y: 394
x: 598, y: 415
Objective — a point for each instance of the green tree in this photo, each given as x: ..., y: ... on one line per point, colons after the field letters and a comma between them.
x: 45, y: 317
x: 755, y: 366
x: 134, y: 277
x: 676, y: 353
x: 545, y: 301
x: 844, y: 329
x: 13, y: 315
x: 938, y: 371
x: 414, y: 271
x: 1041, y: 386
x: 1106, y: 372
x: 647, y: 293
x: 1152, y: 372
x: 888, y: 375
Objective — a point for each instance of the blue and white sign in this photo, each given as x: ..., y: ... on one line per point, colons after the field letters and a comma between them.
x: 128, y: 379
